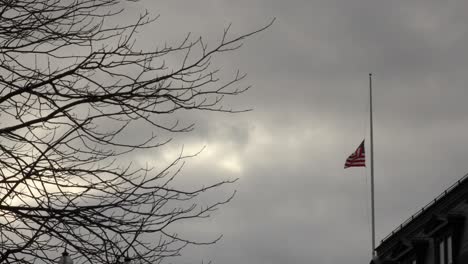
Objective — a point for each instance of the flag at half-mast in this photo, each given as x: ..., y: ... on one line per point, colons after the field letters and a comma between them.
x: 357, y: 159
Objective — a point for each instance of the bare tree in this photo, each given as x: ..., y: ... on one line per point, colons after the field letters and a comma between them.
x: 72, y: 85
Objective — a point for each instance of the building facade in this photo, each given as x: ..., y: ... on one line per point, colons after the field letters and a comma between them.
x: 437, y: 234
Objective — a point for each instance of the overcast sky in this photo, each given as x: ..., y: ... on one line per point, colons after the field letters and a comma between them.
x: 295, y: 203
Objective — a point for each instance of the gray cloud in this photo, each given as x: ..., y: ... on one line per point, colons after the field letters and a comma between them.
x: 295, y: 203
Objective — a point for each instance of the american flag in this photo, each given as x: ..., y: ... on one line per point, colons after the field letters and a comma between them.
x: 357, y: 159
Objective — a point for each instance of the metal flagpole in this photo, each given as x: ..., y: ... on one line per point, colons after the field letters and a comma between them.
x: 372, y: 166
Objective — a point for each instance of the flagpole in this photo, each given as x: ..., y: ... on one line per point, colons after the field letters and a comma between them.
x: 372, y: 166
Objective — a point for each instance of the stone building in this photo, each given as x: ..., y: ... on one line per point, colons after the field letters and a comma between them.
x: 437, y: 234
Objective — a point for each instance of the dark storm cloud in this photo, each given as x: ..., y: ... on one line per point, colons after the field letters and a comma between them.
x: 295, y: 203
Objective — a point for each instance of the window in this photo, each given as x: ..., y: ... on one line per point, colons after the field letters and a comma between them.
x: 449, y: 250
x: 445, y: 250
x: 442, y: 252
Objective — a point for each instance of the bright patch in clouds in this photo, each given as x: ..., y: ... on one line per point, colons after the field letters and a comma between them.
x: 208, y: 154
x: 232, y: 163
x: 233, y: 157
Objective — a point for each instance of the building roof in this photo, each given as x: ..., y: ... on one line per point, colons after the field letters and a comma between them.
x: 460, y: 184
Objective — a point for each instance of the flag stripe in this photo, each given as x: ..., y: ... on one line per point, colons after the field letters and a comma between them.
x: 357, y: 159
